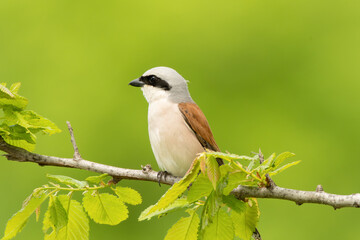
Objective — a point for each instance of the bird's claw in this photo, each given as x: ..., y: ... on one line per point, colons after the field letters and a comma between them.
x: 162, y: 174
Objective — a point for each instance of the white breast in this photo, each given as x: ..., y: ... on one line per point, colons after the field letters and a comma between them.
x: 174, y: 144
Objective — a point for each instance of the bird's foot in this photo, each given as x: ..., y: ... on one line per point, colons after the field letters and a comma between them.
x: 162, y: 174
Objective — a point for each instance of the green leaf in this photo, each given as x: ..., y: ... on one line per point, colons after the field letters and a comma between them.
x: 211, y: 208
x: 234, y: 180
x: 200, y: 188
x: 282, y: 157
x: 251, y: 164
x: 128, y: 195
x: 18, y: 127
x: 58, y: 215
x: 18, y: 132
x: 35, y: 122
x: 15, y: 87
x: 178, y: 188
x: 12, y: 140
x: 11, y: 99
x: 96, y: 179
x: 245, y: 222
x: 269, y: 162
x: 77, y: 227
x: 5, y: 91
x: 19, y: 220
x: 221, y: 227
x: 212, y: 170
x: 67, y: 180
x: 185, y: 229
x: 279, y: 170
x: 177, y: 204
x: 17, y: 103
x: 105, y: 208
x: 228, y: 156
x: 234, y: 203
x: 225, y: 170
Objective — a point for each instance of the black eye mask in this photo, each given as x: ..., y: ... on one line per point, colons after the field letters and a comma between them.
x: 155, y: 81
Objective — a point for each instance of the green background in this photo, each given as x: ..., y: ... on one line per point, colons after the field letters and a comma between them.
x: 279, y: 75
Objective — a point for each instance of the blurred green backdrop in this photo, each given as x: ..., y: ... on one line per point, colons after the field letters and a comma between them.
x: 280, y: 75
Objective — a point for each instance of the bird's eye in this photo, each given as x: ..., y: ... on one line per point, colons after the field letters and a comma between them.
x: 152, y: 80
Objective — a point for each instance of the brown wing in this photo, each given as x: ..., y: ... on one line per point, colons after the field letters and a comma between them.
x: 196, y: 120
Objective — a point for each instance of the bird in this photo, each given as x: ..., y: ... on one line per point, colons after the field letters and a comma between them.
x: 178, y: 129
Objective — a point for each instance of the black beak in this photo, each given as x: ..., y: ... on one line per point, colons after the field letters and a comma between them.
x: 136, y: 83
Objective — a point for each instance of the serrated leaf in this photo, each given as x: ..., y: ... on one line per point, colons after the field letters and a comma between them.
x: 15, y: 134
x: 234, y: 180
x: 212, y: 204
x: 26, y: 201
x: 251, y: 165
x: 177, y: 204
x: 246, y: 221
x: 212, y: 170
x: 221, y: 227
x: 268, y: 162
x: 279, y: 170
x: 185, y: 229
x: 211, y: 208
x: 20, y: 143
x: 96, y: 179
x: 177, y: 189
x: 5, y: 91
x: 18, y: 127
x: 77, y: 227
x: 12, y: 100
x: 105, y: 208
x: 201, y: 187
x: 35, y: 122
x: 67, y: 180
x: 229, y: 156
x: 58, y: 215
x: 19, y: 220
x: 282, y: 157
x: 15, y: 87
x: 226, y: 169
x: 234, y: 203
x: 128, y: 195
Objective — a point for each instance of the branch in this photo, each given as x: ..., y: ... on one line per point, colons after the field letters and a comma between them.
x: 299, y: 197
x: 77, y: 155
x: 21, y: 155
x: 147, y: 174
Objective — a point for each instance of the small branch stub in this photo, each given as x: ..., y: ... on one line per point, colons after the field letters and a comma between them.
x: 319, y: 188
x: 147, y: 168
x: 77, y: 156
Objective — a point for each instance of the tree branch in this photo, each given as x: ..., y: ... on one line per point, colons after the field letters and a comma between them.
x: 147, y: 174
x: 77, y: 155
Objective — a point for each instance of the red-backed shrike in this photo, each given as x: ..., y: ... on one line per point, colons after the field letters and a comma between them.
x: 178, y: 129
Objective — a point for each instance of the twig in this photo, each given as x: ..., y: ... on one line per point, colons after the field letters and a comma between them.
x: 77, y: 156
x: 241, y: 192
x: 270, y: 182
x: 300, y: 197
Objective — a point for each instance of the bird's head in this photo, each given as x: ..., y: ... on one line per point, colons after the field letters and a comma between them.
x: 161, y: 83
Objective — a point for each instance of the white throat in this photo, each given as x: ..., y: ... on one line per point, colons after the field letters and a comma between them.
x: 153, y: 94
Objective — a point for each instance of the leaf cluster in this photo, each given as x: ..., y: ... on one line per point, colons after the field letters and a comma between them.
x: 213, y: 213
x: 17, y: 125
x: 67, y: 218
